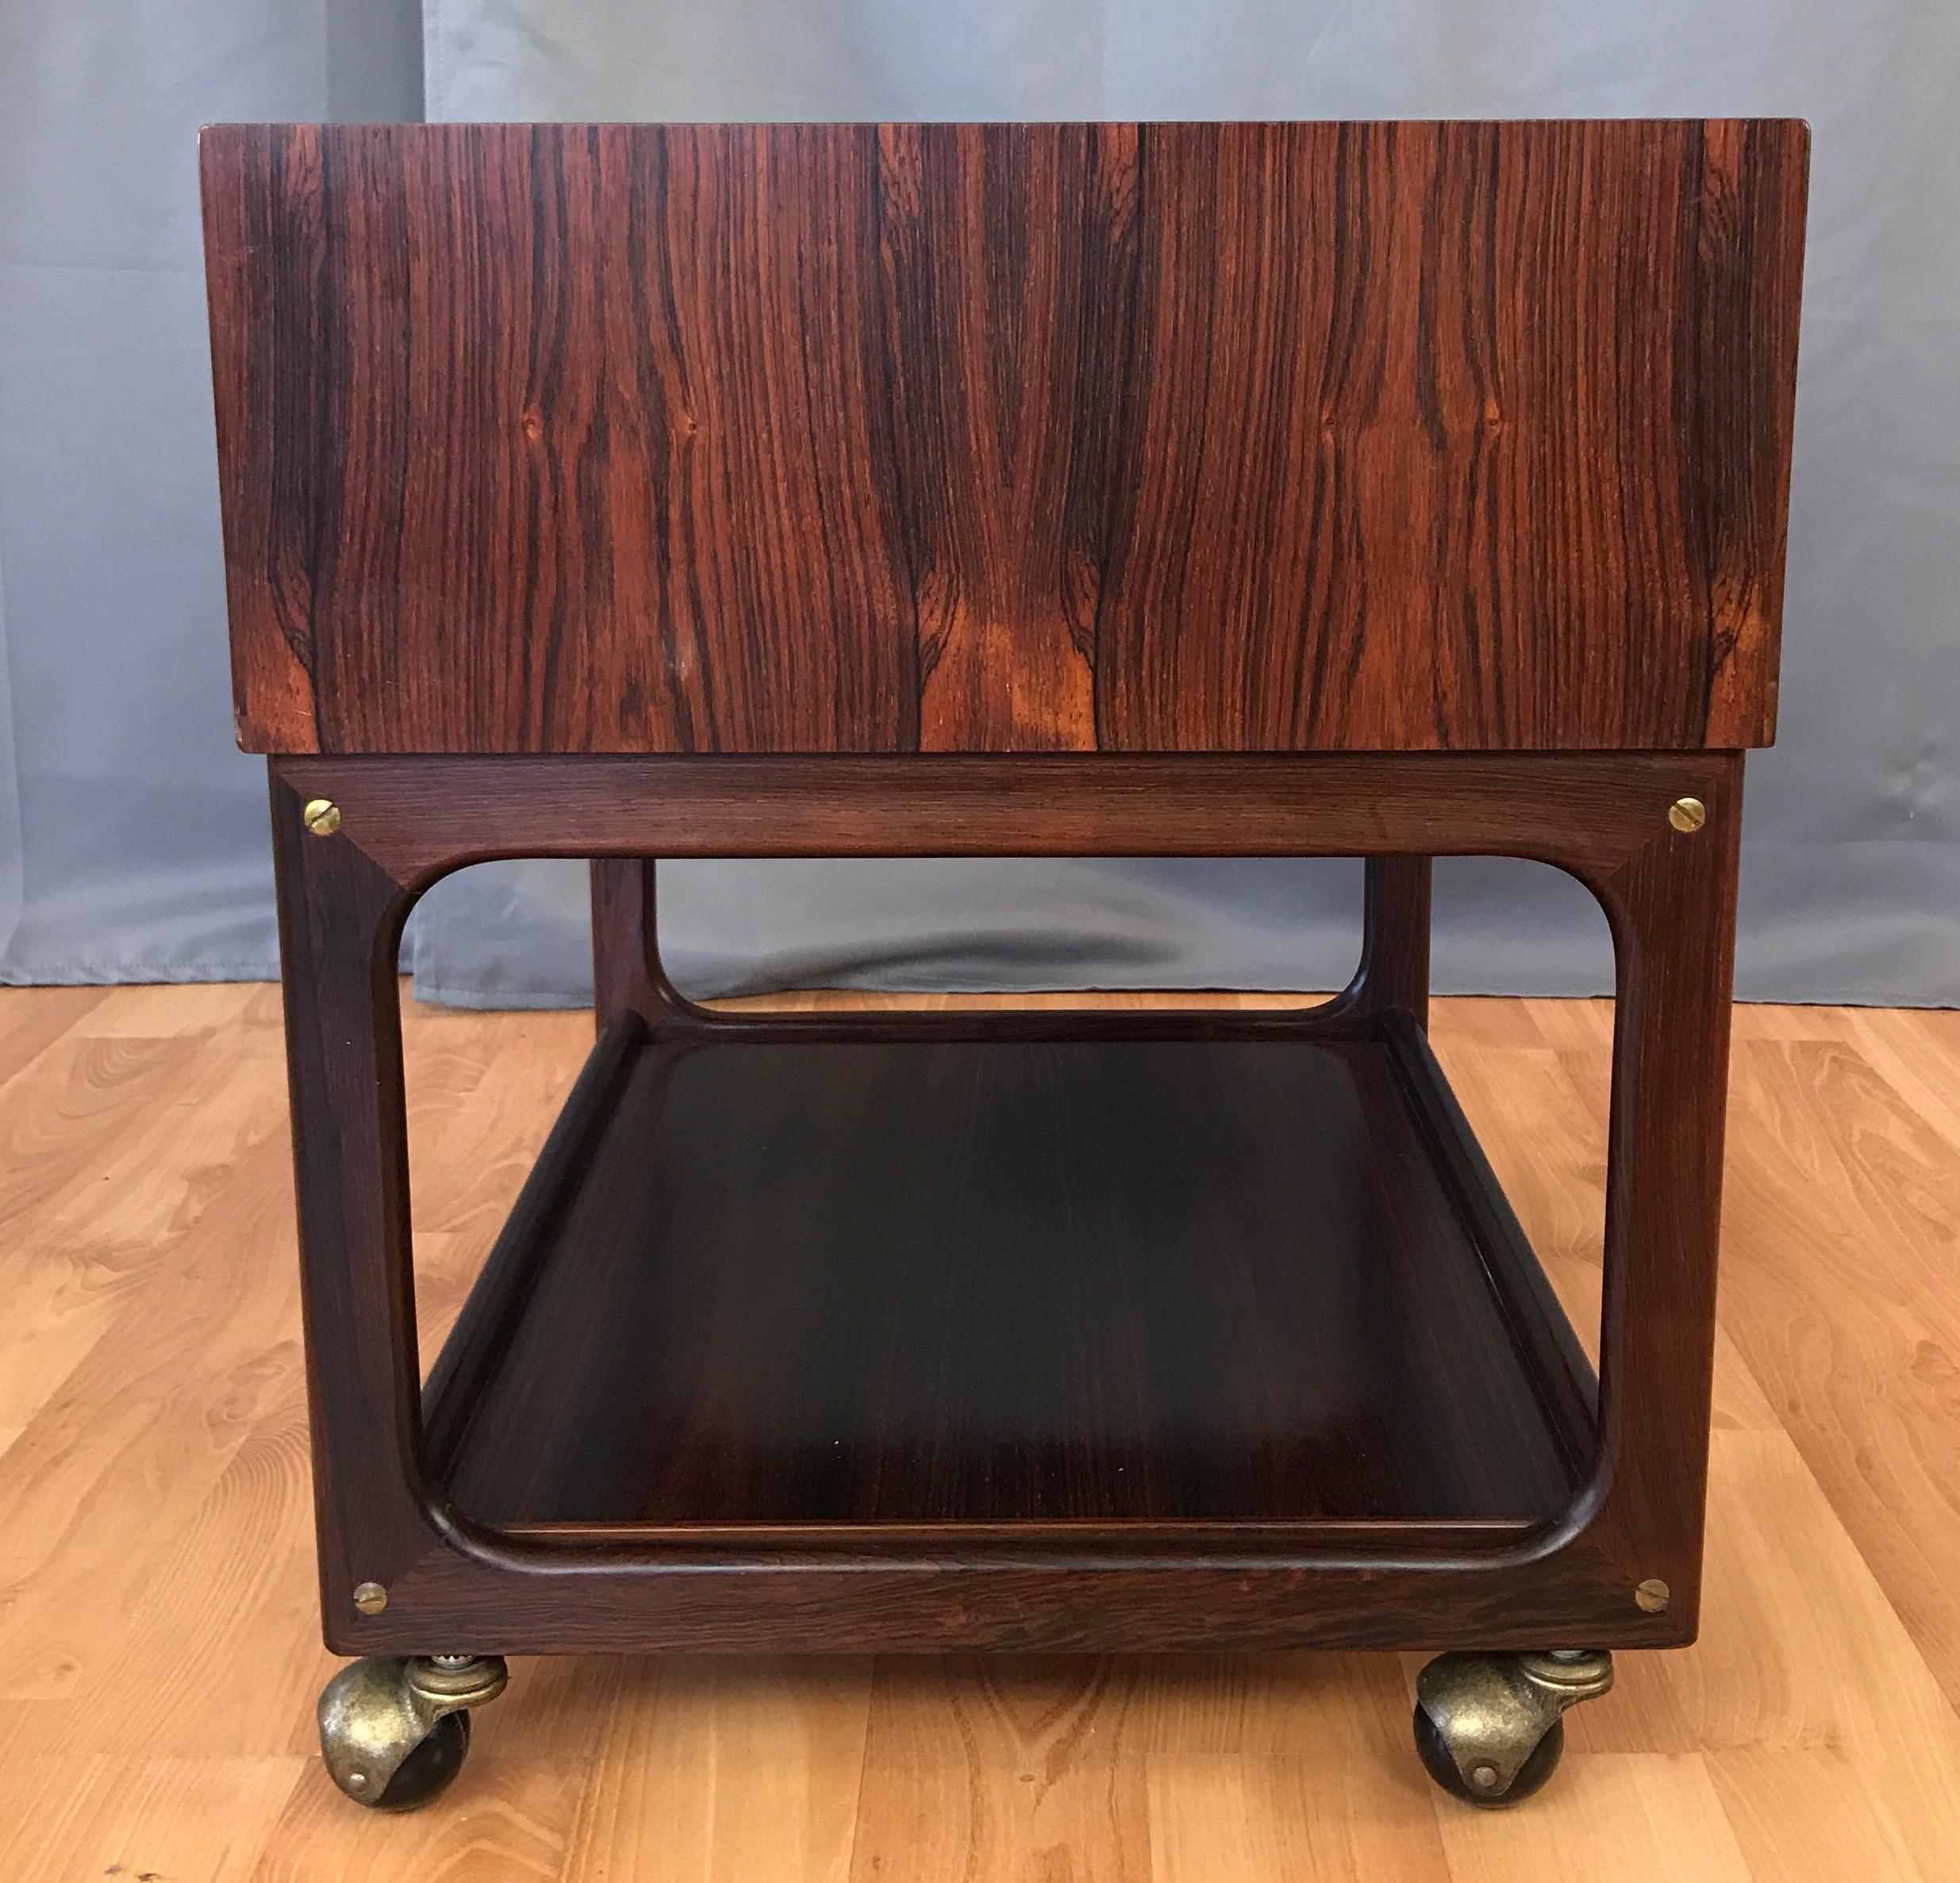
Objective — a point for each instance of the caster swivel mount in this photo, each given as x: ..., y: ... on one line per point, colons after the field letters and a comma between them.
x: 394, y: 1732
x: 1490, y: 1728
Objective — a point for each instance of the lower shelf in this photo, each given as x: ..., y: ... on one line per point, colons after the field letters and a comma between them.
x: 878, y: 1281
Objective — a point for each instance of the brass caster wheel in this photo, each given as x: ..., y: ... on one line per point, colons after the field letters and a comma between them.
x: 394, y: 1732
x: 1490, y: 1728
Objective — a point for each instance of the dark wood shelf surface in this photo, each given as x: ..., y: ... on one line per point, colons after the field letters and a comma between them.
x: 890, y: 1282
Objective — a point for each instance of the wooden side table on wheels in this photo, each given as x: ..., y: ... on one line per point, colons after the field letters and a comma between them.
x: 1383, y: 491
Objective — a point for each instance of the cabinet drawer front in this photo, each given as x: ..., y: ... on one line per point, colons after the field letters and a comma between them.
x: 1008, y: 437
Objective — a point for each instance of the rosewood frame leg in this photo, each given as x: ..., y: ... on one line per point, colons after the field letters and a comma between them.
x: 341, y: 918
x: 1394, y: 968
x: 625, y: 972
x: 1672, y: 909
x: 454, y: 1587
x: 627, y: 976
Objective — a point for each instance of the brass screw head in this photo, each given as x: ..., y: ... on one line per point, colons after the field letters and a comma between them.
x: 1652, y: 1595
x: 370, y: 1598
x: 322, y: 816
x: 1687, y: 813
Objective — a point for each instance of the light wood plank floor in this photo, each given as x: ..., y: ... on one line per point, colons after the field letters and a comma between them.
x: 159, y: 1652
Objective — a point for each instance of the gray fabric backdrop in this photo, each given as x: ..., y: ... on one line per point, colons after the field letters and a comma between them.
x: 130, y: 836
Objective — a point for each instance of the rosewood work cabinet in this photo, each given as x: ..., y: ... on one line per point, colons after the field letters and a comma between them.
x: 1382, y: 491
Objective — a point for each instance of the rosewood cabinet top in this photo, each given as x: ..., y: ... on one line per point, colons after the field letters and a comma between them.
x: 1005, y: 437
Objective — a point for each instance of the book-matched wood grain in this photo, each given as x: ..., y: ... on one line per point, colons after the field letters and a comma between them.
x: 1005, y: 438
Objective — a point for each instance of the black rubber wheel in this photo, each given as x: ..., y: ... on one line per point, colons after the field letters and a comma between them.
x: 1531, y: 1774
x: 430, y: 1768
